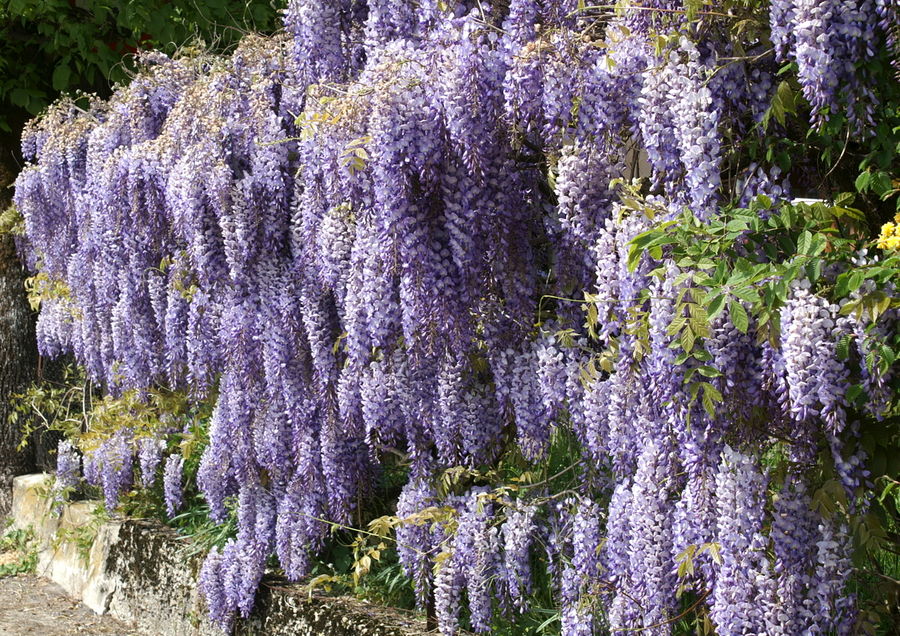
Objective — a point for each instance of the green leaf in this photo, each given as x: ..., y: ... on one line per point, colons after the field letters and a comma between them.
x: 737, y: 277
x: 682, y: 357
x: 855, y: 280
x: 863, y: 181
x: 819, y: 243
x: 790, y: 273
x: 19, y: 97
x: 814, y: 270
x: 786, y: 95
x: 880, y: 306
x: 721, y: 270
x: 699, y: 315
x: 694, y: 389
x: 687, y: 339
x: 842, y: 348
x: 883, y: 274
x: 881, y: 183
x: 711, y: 397
x: 61, y: 75
x: 634, y: 256
x: 645, y: 238
x: 747, y: 294
x: 738, y: 316
x: 804, y: 242
x: 714, y: 551
x: 676, y: 325
x: 783, y: 104
x: 842, y: 285
x: 761, y: 202
x: 737, y: 225
x: 788, y: 216
x: 843, y: 199
x: 708, y: 371
x: 715, y: 305
x: 840, y: 212
x: 703, y: 279
x: 856, y: 395
x: 850, y: 307
x: 682, y: 277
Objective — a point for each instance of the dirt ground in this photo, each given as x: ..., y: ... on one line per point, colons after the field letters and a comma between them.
x: 30, y: 605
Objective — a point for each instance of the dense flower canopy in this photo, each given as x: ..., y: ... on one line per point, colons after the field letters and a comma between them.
x: 374, y: 233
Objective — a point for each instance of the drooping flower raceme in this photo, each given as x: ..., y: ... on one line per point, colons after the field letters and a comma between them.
x: 150, y: 452
x: 68, y: 465
x: 172, y: 483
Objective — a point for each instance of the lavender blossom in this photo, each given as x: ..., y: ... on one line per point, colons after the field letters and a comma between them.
x: 517, y: 540
x: 150, y: 452
x: 172, y: 484
x: 68, y: 465
x: 742, y: 597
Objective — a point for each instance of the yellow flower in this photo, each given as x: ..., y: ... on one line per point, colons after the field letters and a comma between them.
x: 890, y: 243
x: 890, y: 237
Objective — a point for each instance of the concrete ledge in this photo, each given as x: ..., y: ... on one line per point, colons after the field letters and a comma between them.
x: 142, y: 573
x: 31, y: 508
x: 73, y: 543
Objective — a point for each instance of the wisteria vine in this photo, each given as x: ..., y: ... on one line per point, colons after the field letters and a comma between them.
x: 345, y: 235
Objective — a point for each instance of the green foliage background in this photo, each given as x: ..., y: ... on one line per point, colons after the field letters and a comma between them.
x: 48, y: 47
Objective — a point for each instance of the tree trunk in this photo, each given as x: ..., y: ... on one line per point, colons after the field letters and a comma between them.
x: 18, y: 348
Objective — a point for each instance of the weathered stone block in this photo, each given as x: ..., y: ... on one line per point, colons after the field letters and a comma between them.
x: 143, y: 573
x: 73, y: 543
x: 30, y: 506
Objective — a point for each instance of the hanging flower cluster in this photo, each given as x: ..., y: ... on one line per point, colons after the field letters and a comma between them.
x: 68, y: 465
x: 345, y: 236
x: 830, y: 41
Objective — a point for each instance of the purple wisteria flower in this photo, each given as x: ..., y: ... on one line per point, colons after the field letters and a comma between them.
x: 150, y: 454
x: 173, y: 483
x: 68, y: 465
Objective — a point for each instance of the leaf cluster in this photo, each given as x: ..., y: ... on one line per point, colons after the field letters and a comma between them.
x: 48, y: 47
x: 743, y: 263
x: 18, y: 551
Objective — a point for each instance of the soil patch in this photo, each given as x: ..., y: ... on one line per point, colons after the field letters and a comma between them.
x: 30, y: 605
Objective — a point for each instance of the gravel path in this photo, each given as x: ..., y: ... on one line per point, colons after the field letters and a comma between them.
x: 33, y: 606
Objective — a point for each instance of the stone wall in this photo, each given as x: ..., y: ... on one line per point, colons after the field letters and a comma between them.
x: 143, y: 573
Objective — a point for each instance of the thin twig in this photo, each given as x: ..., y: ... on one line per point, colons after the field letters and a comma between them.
x: 888, y: 578
x: 843, y: 152
x: 616, y: 7
x: 668, y: 620
x: 551, y: 478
